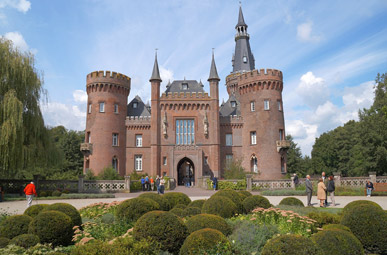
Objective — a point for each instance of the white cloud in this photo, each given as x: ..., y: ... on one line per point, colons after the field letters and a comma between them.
x: 304, y: 32
x: 69, y: 116
x: 166, y: 75
x: 312, y: 89
x: 20, y: 5
x: 304, y: 134
x: 80, y: 96
x: 19, y: 42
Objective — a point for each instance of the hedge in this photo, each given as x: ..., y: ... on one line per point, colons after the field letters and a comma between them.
x: 191, y: 211
x: 161, y: 200
x: 15, y: 225
x: 35, y: 209
x: 244, y: 194
x: 338, y: 242
x: 221, y: 206
x: 175, y: 198
x: 252, y: 202
x: 291, y: 245
x: 233, y: 195
x: 354, y: 204
x: 201, y: 221
x: 25, y: 240
x: 132, y: 209
x: 324, y: 218
x: 4, y: 242
x: 178, y: 212
x: 67, y: 209
x: 291, y: 201
x: 197, y: 203
x: 336, y: 226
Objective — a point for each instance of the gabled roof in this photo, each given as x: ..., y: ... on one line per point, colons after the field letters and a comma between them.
x: 227, y: 110
x: 141, y: 110
x: 192, y: 86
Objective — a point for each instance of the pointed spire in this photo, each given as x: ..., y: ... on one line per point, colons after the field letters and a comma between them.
x: 213, y: 71
x: 241, y: 20
x: 200, y: 83
x: 156, y: 72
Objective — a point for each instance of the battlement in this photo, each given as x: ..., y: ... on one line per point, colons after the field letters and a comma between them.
x: 260, y: 74
x: 108, y: 77
x: 185, y: 95
x: 231, y: 119
x: 138, y: 119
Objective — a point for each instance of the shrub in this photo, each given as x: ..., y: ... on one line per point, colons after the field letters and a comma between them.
x: 42, y: 194
x: 244, y: 194
x: 324, y: 218
x: 107, y: 218
x: 252, y: 202
x: 180, y: 206
x: 109, y: 173
x: 197, y: 203
x: 233, y: 195
x: 161, y: 200
x: 35, y: 209
x: 336, y: 226
x: 191, y: 211
x: 234, y: 170
x: 163, y: 227
x: 249, y: 238
x: 25, y: 240
x: 56, y: 193
x: 67, y: 209
x: 230, y: 185
x: 49, y: 193
x: 4, y: 242
x: 175, y: 198
x: 354, y: 204
x: 291, y: 201
x: 201, y: 221
x: 132, y: 209
x: 205, y: 241
x: 340, y: 242
x: 290, y: 245
x: 369, y: 225
x: 14, y: 226
x: 221, y: 206
x: 178, y: 212
x: 52, y: 227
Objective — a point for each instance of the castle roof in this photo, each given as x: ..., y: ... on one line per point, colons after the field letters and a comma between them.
x: 228, y: 108
x: 155, y: 72
x: 241, y: 20
x: 213, y: 72
x: 185, y: 86
x: 136, y: 107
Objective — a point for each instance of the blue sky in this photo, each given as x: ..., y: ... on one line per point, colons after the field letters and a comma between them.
x: 329, y: 51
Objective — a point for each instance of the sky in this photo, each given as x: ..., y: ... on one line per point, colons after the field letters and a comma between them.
x: 329, y: 51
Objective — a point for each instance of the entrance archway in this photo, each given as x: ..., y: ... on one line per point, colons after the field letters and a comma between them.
x: 185, y: 171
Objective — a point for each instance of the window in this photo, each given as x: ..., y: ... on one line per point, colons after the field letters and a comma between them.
x: 252, y: 106
x: 115, y: 108
x: 206, y: 160
x: 254, y: 165
x: 228, y: 160
x: 233, y: 104
x: 281, y: 134
x: 138, y: 162
x: 244, y: 59
x: 185, y: 86
x: 266, y: 105
x: 102, y: 107
x: 253, y: 136
x: 115, y: 163
x: 279, y: 105
x: 135, y: 104
x: 164, y: 161
x: 228, y: 139
x: 115, y: 139
x: 88, y: 137
x: 138, y: 140
x: 185, y: 132
x: 89, y: 108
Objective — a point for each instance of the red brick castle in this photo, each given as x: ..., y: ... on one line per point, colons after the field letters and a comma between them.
x: 184, y: 132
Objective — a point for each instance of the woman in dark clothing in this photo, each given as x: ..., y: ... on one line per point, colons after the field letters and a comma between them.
x: 370, y: 188
x: 331, y: 189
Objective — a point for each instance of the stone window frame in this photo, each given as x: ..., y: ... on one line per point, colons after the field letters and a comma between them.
x: 266, y: 104
x: 185, y: 130
x: 115, y: 163
x: 281, y: 134
x: 135, y: 105
x: 206, y: 160
x: 184, y: 86
x: 115, y: 142
x: 138, y: 162
x: 138, y: 140
x: 233, y: 104
x: 228, y: 160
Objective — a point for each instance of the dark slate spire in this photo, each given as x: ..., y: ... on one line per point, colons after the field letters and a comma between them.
x: 213, y: 71
x: 155, y: 73
x: 241, y: 20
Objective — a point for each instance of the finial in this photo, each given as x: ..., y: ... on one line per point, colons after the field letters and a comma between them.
x: 240, y: 3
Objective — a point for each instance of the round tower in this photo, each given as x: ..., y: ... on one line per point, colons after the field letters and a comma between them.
x: 105, y: 135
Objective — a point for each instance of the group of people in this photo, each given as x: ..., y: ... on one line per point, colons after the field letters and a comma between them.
x: 148, y: 184
x: 187, y: 181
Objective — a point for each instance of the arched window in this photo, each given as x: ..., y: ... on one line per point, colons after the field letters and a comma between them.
x: 254, y: 164
x: 115, y: 163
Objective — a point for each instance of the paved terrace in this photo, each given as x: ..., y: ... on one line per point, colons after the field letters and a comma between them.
x: 194, y: 193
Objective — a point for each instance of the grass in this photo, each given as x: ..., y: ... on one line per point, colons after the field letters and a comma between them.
x: 305, y: 210
x: 300, y: 191
x: 63, y: 196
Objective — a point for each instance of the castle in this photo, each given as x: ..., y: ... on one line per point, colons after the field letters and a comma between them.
x: 184, y: 131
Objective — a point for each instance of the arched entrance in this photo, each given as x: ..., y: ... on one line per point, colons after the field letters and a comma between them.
x: 185, y: 171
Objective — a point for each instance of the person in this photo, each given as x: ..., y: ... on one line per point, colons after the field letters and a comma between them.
x: 143, y: 183
x: 152, y: 182
x: 331, y: 189
x: 147, y: 186
x: 186, y: 181
x: 162, y: 183
x: 158, y: 184
x: 321, y: 192
x: 309, y: 190
x: 214, y: 183
x: 30, y: 191
x: 370, y: 188
x: 325, y: 181
x: 295, y: 180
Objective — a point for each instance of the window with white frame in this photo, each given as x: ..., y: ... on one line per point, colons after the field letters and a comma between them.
x: 89, y: 108
x: 115, y: 108
x: 253, y: 137
x: 102, y: 107
x: 115, y: 139
x: 266, y: 104
x: 138, y: 162
x: 185, y: 132
x: 164, y: 161
x: 228, y: 139
x: 228, y: 159
x: 279, y: 105
x: 254, y: 165
x: 252, y: 106
x: 138, y: 140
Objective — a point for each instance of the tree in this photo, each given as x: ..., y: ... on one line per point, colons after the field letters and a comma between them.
x: 234, y: 170
x: 296, y: 163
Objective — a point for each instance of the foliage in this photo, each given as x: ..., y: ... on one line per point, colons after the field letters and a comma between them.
x: 244, y: 194
x: 96, y: 210
x: 356, y: 203
x: 135, y: 186
x: 178, y: 212
x: 67, y: 209
x: 340, y: 242
x: 161, y: 200
x: 283, y: 192
x: 4, y: 214
x: 4, y: 241
x: 230, y: 185
x: 175, y: 198
x: 180, y: 206
x: 56, y: 193
x: 336, y: 226
x: 53, y: 227
x: 89, y: 175
x: 201, y: 221
x: 197, y: 203
x: 252, y: 202
x: 191, y: 211
x: 163, y: 227
x: 291, y: 201
x: 295, y: 162
x: 109, y: 173
x: 233, y: 195
x: 305, y: 210
x: 14, y: 226
x: 203, y: 241
x: 369, y: 225
x: 132, y: 209
x: 234, y: 170
x: 323, y: 218
x: 220, y: 205
x: 25, y: 240
x: 290, y: 245
x: 35, y: 250
x: 249, y: 238
x: 34, y: 210
x: 107, y: 218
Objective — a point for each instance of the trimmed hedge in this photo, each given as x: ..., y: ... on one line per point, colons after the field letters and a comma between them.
x: 324, y: 218
x: 52, y: 227
x: 35, y: 209
x: 178, y: 212
x: 175, y: 198
x: 292, y: 201
x: 161, y: 200
x: 197, y: 203
x: 56, y: 193
x: 132, y: 209
x: 4, y: 242
x: 15, y: 225
x: 244, y: 194
x: 205, y: 241
x: 338, y: 242
x: 221, y: 206
x: 291, y: 245
x: 353, y: 204
x: 191, y: 211
x: 180, y: 206
x: 233, y: 195
x: 25, y: 240
x: 162, y: 227
x: 336, y: 226
x: 252, y: 202
x: 201, y: 221
x: 67, y: 209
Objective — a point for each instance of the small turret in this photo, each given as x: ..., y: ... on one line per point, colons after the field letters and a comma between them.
x: 156, y: 73
x: 213, y: 72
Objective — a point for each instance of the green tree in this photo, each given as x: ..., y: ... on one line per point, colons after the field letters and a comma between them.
x: 234, y: 170
x: 296, y: 163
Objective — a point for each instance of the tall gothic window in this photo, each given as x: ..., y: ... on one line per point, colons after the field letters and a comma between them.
x: 115, y: 163
x: 185, y: 132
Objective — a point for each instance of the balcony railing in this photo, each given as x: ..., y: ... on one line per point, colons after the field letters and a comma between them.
x: 282, y: 145
x: 86, y: 148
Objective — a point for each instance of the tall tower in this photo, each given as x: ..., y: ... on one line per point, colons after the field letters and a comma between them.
x: 105, y: 137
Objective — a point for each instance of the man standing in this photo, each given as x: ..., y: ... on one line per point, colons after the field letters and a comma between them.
x: 309, y: 189
x: 295, y: 180
x: 158, y: 184
x: 162, y: 183
x: 143, y: 183
x: 325, y: 180
x: 30, y: 191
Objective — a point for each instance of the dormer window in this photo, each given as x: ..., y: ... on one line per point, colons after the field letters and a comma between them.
x: 185, y: 86
x: 135, y: 104
x: 233, y: 104
x: 244, y: 59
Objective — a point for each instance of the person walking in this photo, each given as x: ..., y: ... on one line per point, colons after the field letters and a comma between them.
x: 325, y: 181
x: 147, y: 184
x: 295, y: 180
x: 143, y: 183
x: 162, y: 183
x: 158, y: 184
x: 309, y: 190
x: 321, y: 192
x: 331, y: 189
x: 152, y: 182
x: 30, y: 191
x: 214, y: 183
x: 370, y: 188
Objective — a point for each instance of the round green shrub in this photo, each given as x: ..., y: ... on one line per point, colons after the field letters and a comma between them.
x: 244, y: 194
x: 42, y: 194
x: 178, y: 212
x: 221, y: 206
x: 132, y: 209
x: 164, y: 228
x: 34, y: 210
x: 252, y: 202
x: 233, y: 195
x: 369, y: 225
x: 291, y: 245
x: 336, y: 226
x: 201, y: 221
x: 191, y: 211
x: 161, y: 200
x: 4, y: 242
x: 291, y: 201
x: 181, y: 206
x: 324, y: 218
x: 354, y: 204
x: 15, y: 225
x: 25, y: 240
x: 56, y: 193
x: 67, y: 209
x: 175, y: 198
x: 340, y: 242
x: 205, y: 241
x: 52, y: 227
x: 197, y: 203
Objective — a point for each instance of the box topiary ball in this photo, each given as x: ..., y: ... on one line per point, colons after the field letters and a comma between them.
x: 244, y: 194
x: 340, y: 242
x: 4, y: 242
x: 175, y: 198
x: 132, y: 209
x: 336, y: 226
x: 220, y: 205
x: 181, y: 206
x: 201, y: 221
x: 233, y: 195
x: 34, y: 210
x: 178, y: 212
x: 292, y: 201
x: 252, y: 202
x: 25, y: 240
x: 353, y: 204
x: 197, y: 203
x: 161, y: 200
x: 14, y: 226
x: 191, y: 211
x: 67, y: 209
x: 291, y: 245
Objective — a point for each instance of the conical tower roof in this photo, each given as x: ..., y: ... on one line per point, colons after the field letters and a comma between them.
x: 213, y: 72
x: 241, y: 20
x: 156, y: 72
